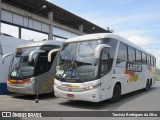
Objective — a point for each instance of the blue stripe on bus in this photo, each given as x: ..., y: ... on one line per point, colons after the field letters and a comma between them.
x: 3, y: 89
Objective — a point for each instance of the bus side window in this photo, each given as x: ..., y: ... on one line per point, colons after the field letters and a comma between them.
x: 154, y: 61
x: 138, y: 56
x: 122, y: 53
x: 105, y: 62
x: 144, y: 58
x: 151, y: 61
x: 131, y: 54
x: 148, y: 59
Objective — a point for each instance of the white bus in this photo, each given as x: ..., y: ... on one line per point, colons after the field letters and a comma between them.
x: 102, y: 66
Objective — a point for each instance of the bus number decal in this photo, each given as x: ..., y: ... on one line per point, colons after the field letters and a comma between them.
x: 135, y: 67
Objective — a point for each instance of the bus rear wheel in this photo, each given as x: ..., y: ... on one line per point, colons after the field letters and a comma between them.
x: 116, y: 94
x: 147, y: 86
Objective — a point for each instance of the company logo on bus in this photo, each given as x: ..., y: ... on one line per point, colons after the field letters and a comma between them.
x: 70, y: 86
x: 135, y: 67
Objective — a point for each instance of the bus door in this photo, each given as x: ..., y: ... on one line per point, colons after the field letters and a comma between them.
x: 41, y: 73
x: 105, y: 67
x: 44, y: 72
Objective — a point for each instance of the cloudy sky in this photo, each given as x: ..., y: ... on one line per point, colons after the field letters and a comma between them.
x: 136, y: 20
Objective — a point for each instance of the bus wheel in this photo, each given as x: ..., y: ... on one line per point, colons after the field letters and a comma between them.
x: 52, y: 93
x: 147, y: 86
x: 116, y: 94
x: 150, y: 84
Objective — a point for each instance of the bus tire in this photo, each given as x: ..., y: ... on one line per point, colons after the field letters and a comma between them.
x: 150, y: 84
x: 147, y: 86
x: 116, y: 94
x: 52, y: 93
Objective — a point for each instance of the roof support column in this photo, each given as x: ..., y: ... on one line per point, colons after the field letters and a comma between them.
x: 20, y: 32
x: 0, y: 17
x: 81, y: 28
x: 50, y: 17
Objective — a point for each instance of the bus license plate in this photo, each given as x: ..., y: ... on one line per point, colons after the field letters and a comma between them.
x: 13, y: 89
x: 70, y: 95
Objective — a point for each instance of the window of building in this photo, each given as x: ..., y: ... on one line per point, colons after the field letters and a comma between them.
x: 58, y: 38
x: 33, y: 35
x: 63, y: 33
x: 10, y: 30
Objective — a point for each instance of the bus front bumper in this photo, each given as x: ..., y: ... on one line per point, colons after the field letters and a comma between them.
x: 28, y: 89
x: 91, y: 95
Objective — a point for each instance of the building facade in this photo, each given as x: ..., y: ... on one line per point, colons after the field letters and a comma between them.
x: 40, y: 19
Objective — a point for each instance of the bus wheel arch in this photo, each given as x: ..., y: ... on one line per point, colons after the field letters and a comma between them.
x: 116, y: 92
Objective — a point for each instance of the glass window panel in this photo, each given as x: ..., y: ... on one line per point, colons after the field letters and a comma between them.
x: 33, y: 35
x: 144, y: 60
x: 9, y: 29
x: 122, y: 53
x: 131, y: 54
x: 138, y: 56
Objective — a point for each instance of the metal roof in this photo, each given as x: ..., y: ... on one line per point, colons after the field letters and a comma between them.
x: 59, y: 14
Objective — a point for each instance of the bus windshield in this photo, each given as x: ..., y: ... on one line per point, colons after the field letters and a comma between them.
x: 77, y: 62
x: 23, y: 67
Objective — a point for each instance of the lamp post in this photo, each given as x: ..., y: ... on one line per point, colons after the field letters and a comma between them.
x: 29, y: 18
x: 43, y: 7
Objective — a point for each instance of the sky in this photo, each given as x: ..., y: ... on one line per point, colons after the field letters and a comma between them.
x: 135, y: 20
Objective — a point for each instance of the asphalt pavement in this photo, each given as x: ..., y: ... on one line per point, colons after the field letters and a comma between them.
x: 135, y: 101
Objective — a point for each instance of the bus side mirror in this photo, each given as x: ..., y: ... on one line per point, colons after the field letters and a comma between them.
x: 1, y: 50
x: 99, y: 49
x: 50, y: 54
x: 5, y: 56
x: 34, y: 53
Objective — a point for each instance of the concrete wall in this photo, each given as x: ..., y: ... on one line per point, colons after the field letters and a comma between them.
x: 23, y: 18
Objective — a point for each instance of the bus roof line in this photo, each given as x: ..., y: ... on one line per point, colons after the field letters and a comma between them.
x: 105, y: 35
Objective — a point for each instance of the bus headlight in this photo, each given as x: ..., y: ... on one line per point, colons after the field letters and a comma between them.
x: 56, y: 85
x: 30, y: 81
x: 92, y: 87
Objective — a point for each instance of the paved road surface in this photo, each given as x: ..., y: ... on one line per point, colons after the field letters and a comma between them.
x: 136, y: 101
